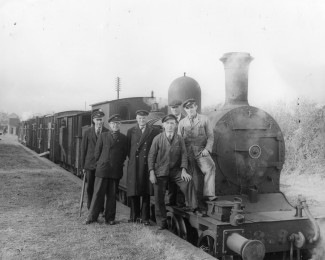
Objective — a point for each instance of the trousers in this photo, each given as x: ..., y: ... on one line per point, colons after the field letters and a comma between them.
x: 104, y: 187
x: 187, y: 189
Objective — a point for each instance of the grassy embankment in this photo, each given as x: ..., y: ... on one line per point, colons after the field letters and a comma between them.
x: 39, y: 218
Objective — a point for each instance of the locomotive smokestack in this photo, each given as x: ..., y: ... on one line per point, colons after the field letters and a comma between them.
x: 236, y: 77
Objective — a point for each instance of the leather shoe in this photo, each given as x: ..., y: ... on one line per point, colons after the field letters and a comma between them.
x: 170, y: 204
x: 187, y: 209
x: 146, y: 223
x: 199, y: 213
x: 131, y: 220
x: 213, y: 198
x: 112, y: 222
x: 88, y: 222
x: 162, y: 227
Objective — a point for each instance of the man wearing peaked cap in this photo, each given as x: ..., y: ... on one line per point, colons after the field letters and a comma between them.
x: 98, y: 114
x: 139, y: 140
x: 110, y: 154
x: 168, y: 117
x: 114, y: 118
x: 188, y: 102
x: 175, y: 109
x: 88, y: 143
x: 142, y: 112
x: 167, y: 161
x: 197, y: 132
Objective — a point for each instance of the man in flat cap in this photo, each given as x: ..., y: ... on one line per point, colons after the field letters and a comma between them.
x: 110, y: 154
x: 198, y: 136
x: 88, y: 143
x: 167, y: 161
x: 139, y: 140
x: 175, y: 196
x: 175, y: 109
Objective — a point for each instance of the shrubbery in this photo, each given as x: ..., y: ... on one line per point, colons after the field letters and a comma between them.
x: 303, y: 125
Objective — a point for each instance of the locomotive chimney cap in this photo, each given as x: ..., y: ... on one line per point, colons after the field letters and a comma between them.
x: 236, y: 58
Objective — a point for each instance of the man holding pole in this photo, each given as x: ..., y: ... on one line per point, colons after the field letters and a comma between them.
x: 88, y: 144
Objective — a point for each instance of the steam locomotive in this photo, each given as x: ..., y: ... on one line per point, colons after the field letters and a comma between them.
x: 252, y: 219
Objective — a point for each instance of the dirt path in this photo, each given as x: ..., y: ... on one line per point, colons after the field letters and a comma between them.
x: 38, y: 218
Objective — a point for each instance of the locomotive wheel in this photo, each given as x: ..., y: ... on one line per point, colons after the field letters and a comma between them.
x: 173, y: 225
x: 206, y: 243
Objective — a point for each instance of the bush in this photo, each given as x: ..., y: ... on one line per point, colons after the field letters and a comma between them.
x: 303, y: 126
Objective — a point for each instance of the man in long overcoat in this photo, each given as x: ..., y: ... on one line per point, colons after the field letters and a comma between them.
x: 110, y: 154
x: 88, y: 144
x: 138, y: 185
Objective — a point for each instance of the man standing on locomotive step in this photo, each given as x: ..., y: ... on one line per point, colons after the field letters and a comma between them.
x: 198, y: 136
x: 88, y: 143
x: 139, y: 140
x: 175, y: 196
x: 110, y: 154
x: 167, y: 161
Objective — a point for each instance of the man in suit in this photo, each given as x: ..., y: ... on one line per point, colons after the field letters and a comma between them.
x: 138, y: 185
x: 110, y: 154
x: 88, y: 143
x: 175, y: 196
x: 167, y: 162
x: 198, y: 136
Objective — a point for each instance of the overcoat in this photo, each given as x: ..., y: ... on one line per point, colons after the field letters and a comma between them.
x: 110, y: 155
x: 88, y: 145
x: 139, y: 144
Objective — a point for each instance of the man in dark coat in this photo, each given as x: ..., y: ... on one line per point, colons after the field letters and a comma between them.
x: 88, y: 143
x: 167, y: 162
x: 138, y: 185
x: 110, y: 154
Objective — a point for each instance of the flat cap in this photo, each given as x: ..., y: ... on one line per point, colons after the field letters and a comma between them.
x: 142, y: 112
x: 175, y: 103
x: 97, y: 114
x: 188, y: 102
x: 168, y: 117
x: 114, y: 118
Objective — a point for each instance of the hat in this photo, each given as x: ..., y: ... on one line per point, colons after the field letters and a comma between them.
x: 114, y: 118
x: 97, y: 114
x: 175, y: 103
x: 168, y: 117
x: 188, y: 102
x: 142, y: 112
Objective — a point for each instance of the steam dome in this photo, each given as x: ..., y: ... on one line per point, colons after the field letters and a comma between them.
x: 184, y: 88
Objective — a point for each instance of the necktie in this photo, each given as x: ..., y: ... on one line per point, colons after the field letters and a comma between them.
x: 170, y: 137
x: 98, y: 131
x: 142, y: 129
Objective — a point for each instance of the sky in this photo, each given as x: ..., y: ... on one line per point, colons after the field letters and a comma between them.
x: 58, y: 55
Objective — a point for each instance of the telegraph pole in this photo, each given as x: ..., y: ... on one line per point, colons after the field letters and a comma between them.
x: 118, y: 86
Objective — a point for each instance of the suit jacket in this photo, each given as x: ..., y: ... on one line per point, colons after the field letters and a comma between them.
x: 165, y: 156
x: 110, y: 155
x: 139, y: 144
x: 88, y: 145
x: 198, y: 136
